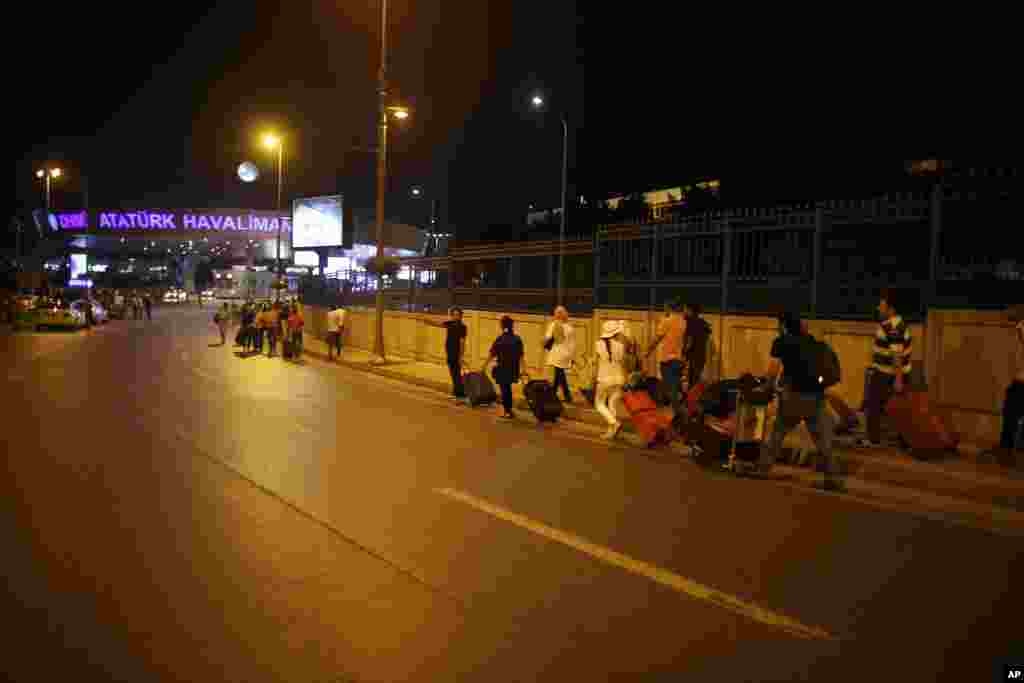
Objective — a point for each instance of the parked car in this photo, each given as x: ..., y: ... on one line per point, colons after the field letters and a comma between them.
x: 53, y: 316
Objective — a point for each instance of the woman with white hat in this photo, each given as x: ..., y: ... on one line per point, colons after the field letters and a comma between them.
x: 611, y: 350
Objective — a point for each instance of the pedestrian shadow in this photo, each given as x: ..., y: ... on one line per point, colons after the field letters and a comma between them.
x: 215, y: 346
x: 247, y: 354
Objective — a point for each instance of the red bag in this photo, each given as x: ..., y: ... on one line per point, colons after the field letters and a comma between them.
x: 650, y: 425
x: 918, y: 424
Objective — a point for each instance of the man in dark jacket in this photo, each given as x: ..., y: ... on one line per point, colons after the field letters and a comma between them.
x: 695, y: 344
x: 801, y: 397
x: 508, y: 349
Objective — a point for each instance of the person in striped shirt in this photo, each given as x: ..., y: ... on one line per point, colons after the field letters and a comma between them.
x: 890, y: 367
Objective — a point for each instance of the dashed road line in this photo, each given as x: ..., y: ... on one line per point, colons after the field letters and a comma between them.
x: 659, y: 575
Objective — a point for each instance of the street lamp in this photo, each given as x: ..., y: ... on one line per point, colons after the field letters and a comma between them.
x: 46, y: 176
x: 271, y: 141
x: 538, y: 103
x: 385, y: 111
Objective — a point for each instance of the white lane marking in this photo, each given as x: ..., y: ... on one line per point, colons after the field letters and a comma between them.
x: 657, y: 574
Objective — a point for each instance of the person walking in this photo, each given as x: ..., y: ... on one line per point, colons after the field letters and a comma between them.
x: 668, y: 340
x: 273, y: 325
x: 335, y: 331
x: 1013, y: 402
x: 455, y: 348
x: 147, y: 302
x: 695, y: 344
x: 248, y: 328
x: 220, y: 319
x: 610, y: 373
x: 295, y: 325
x: 508, y: 350
x: 801, y: 398
x: 891, y: 365
x: 560, y: 342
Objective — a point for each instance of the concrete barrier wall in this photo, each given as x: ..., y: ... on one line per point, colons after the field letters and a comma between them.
x: 966, y: 356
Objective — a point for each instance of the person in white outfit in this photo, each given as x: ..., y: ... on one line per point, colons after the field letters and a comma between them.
x: 560, y: 341
x: 611, y: 351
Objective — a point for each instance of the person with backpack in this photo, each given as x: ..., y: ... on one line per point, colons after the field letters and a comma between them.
x: 508, y: 350
x: 612, y: 350
x: 805, y: 368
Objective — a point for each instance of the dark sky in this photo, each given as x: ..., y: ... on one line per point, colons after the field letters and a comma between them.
x: 157, y: 104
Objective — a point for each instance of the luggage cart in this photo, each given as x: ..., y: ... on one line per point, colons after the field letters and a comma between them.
x: 755, y: 395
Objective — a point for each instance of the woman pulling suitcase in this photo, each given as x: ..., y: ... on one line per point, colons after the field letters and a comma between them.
x: 508, y: 350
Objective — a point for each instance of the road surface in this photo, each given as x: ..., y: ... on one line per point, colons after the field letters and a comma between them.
x: 172, y: 512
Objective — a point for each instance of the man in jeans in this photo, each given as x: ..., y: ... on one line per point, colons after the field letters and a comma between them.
x: 891, y: 363
x: 801, y: 399
x: 668, y: 339
x: 335, y: 330
x: 455, y: 349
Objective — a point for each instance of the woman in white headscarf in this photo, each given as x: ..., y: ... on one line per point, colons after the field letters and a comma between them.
x: 611, y: 350
x: 560, y: 341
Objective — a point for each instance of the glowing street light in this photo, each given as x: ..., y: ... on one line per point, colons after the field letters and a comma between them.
x: 272, y: 141
x: 539, y: 103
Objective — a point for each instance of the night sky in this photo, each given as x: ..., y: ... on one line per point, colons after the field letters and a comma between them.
x: 156, y: 105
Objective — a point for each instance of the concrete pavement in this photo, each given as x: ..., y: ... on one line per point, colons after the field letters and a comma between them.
x: 175, y: 512
x: 956, y: 484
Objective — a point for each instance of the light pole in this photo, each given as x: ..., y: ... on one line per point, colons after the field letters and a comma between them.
x: 45, y: 176
x: 382, y: 171
x: 271, y: 141
x: 538, y: 102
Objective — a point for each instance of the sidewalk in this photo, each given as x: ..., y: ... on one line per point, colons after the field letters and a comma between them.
x: 956, y: 481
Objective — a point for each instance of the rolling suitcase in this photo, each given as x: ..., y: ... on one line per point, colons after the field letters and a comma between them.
x: 652, y: 427
x: 479, y: 389
x: 925, y: 432
x: 543, y: 401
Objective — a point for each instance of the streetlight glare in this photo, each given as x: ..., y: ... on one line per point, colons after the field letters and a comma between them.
x: 401, y: 114
x: 271, y: 141
x: 55, y: 173
x: 40, y: 173
x: 538, y: 101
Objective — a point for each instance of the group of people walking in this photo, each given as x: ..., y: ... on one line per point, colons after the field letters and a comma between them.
x: 263, y: 325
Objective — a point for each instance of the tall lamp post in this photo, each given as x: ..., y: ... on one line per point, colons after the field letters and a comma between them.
x: 271, y: 141
x: 385, y: 111
x: 538, y: 103
x: 46, y: 175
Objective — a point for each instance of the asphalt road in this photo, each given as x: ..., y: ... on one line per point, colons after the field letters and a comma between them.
x: 172, y: 512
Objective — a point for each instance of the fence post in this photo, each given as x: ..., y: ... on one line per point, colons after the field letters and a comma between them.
x: 726, y: 260
x: 819, y: 229
x: 656, y: 235
x: 935, y: 218
x: 412, y: 288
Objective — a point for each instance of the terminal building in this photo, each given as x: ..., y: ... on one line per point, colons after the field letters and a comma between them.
x: 167, y: 247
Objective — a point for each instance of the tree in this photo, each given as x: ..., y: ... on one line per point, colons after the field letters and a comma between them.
x: 633, y: 207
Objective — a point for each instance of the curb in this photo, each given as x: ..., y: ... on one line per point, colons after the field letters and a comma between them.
x: 910, y: 476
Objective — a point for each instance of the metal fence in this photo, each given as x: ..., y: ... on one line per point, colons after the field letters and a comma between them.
x: 946, y: 248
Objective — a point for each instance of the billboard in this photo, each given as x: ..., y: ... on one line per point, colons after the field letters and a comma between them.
x: 78, y: 265
x: 307, y: 258
x: 318, y: 222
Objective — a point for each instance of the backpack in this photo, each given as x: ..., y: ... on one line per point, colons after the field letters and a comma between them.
x: 821, y: 366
